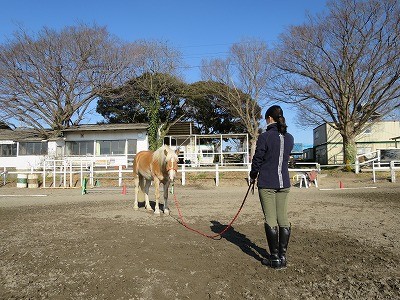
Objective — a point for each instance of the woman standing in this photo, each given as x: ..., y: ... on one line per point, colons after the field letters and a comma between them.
x: 270, y: 165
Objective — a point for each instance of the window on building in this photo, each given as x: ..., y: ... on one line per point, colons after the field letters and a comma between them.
x: 111, y: 147
x: 33, y: 148
x: 8, y: 150
x: 80, y: 148
x: 132, y: 146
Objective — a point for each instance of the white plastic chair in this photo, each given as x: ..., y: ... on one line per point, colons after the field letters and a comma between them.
x: 300, y: 177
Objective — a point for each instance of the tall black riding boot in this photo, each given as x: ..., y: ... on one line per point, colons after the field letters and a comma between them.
x: 272, y: 238
x: 284, y: 234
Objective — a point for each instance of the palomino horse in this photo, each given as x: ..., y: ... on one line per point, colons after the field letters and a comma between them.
x: 161, y: 166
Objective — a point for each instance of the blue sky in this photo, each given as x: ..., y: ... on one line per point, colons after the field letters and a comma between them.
x: 199, y: 29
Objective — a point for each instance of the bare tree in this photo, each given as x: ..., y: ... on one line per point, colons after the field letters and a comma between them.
x: 243, y: 76
x: 343, y: 67
x: 49, y: 80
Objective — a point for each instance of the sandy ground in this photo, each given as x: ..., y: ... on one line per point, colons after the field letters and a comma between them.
x: 60, y: 244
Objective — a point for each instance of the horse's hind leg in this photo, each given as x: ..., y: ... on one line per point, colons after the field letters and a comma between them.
x: 135, y: 203
x: 146, y: 194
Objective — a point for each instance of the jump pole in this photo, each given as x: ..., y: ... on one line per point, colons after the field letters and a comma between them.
x: 355, y: 188
x: 23, y: 195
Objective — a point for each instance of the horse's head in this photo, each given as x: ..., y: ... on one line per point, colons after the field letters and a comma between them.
x: 171, y: 163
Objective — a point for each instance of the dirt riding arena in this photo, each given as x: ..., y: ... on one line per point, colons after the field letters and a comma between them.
x: 60, y: 244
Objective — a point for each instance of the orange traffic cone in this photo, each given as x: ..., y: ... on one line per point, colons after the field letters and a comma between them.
x: 124, y: 189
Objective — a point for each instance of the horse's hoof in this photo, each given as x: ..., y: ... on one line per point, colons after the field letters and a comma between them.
x: 166, y: 212
x: 157, y: 212
x: 136, y: 208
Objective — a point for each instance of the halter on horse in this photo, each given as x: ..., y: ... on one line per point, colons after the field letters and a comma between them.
x: 161, y: 166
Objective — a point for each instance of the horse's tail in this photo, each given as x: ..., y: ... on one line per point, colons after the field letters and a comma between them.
x: 138, y: 179
x: 141, y: 190
x: 141, y: 183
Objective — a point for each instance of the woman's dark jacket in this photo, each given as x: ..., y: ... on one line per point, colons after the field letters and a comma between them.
x: 270, y: 161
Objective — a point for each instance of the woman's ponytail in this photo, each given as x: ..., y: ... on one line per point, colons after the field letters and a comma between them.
x: 276, y: 113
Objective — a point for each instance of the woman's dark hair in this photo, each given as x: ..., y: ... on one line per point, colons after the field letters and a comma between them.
x: 276, y: 113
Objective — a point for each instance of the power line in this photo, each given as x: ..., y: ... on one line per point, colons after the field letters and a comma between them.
x: 200, y: 55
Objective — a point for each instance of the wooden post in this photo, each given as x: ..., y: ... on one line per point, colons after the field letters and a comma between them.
x: 373, y: 171
x: 216, y: 175
x: 65, y: 172
x: 81, y: 173
x: 44, y: 173
x: 70, y: 174
x: 392, y: 172
x: 120, y: 175
x: 357, y: 165
x: 183, y: 175
x: 91, y: 180
x: 54, y: 173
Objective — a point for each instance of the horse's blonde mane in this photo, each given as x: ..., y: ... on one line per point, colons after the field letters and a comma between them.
x: 160, y: 156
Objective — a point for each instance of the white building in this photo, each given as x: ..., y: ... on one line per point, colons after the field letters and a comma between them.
x: 102, y: 144
x: 109, y: 145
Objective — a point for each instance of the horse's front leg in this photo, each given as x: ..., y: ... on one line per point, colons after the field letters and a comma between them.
x: 146, y: 194
x: 157, y: 194
x: 166, y: 186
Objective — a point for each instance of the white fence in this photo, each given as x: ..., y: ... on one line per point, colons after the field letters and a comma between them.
x: 71, y: 173
x: 367, y: 159
x: 373, y: 160
x: 391, y: 167
x: 217, y: 169
x: 64, y: 173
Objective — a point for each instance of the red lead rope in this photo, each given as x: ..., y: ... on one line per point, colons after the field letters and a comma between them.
x: 251, y: 186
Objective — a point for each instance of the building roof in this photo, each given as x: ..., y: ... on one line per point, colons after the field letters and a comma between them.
x: 21, y: 134
x: 182, y: 128
x: 107, y: 127
x: 30, y: 134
